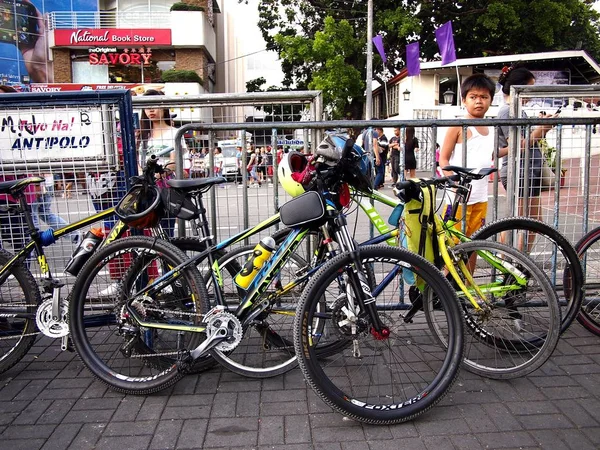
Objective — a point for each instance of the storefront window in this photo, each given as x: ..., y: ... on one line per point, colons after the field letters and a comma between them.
x: 83, y: 72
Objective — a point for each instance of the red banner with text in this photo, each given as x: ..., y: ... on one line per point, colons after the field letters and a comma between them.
x: 123, y: 37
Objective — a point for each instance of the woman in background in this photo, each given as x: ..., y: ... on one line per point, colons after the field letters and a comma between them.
x: 411, y: 145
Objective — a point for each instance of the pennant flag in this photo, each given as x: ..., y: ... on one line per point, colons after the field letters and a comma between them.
x: 445, y: 41
x: 413, y: 64
x: 378, y: 41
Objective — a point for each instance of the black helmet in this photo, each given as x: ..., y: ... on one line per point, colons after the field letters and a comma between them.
x: 140, y: 208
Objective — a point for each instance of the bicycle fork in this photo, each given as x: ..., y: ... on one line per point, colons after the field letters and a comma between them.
x: 359, y: 285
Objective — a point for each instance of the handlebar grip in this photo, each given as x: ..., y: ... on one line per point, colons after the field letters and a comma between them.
x: 400, y: 185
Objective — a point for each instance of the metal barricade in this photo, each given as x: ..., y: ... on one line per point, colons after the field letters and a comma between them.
x: 82, y: 144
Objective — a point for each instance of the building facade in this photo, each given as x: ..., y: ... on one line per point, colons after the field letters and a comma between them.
x: 113, y: 41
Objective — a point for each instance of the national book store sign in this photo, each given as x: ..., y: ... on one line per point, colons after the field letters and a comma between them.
x: 123, y: 37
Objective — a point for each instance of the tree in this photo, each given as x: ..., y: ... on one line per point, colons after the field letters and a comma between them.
x: 321, y: 43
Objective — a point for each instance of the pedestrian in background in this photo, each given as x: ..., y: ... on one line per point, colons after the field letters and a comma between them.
x: 382, y: 145
x: 394, y: 147
x: 411, y: 147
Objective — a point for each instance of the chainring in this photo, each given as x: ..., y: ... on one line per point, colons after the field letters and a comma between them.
x: 47, y: 324
x: 234, y: 328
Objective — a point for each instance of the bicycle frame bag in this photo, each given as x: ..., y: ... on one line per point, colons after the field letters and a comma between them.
x: 304, y: 209
x: 418, y: 233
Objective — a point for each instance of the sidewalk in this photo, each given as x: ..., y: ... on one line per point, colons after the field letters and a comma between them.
x: 51, y: 401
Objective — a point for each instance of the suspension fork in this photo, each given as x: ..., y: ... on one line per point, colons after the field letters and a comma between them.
x: 357, y: 277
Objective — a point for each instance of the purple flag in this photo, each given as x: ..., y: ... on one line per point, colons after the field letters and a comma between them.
x: 378, y: 41
x: 445, y: 41
x: 413, y: 64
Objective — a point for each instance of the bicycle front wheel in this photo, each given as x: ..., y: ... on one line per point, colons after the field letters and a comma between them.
x: 114, y: 346
x: 551, y: 251
x: 19, y: 300
x: 588, y: 249
x: 517, y: 326
x: 373, y: 379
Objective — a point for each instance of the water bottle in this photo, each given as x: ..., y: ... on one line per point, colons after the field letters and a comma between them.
x: 84, y: 250
x: 261, y: 253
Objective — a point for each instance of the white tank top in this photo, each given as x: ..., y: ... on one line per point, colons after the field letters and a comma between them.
x: 480, y: 150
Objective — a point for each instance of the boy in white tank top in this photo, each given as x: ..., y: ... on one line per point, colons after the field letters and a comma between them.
x: 477, y: 94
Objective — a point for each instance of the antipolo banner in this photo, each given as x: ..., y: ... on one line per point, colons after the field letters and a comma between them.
x: 50, y: 136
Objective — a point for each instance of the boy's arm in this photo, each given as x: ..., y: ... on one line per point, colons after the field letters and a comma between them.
x: 452, y: 136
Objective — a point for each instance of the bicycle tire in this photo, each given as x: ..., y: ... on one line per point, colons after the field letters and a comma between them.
x: 127, y: 357
x: 589, y: 314
x: 548, y: 240
x: 520, y: 330
x: 412, y: 370
x: 17, y: 335
x: 266, y: 348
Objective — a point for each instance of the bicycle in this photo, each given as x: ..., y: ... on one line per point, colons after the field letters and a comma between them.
x: 28, y: 307
x: 120, y: 358
x: 25, y: 311
x: 511, y: 312
x: 549, y: 248
x: 589, y: 315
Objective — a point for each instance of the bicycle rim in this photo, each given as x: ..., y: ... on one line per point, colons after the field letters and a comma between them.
x: 128, y: 357
x: 588, y: 249
x: 266, y: 348
x: 551, y: 251
x: 378, y: 381
x: 19, y: 294
x: 518, y: 328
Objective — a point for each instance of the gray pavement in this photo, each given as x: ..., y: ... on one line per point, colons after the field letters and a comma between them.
x: 50, y: 401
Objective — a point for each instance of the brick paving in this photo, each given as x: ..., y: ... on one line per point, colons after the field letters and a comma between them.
x: 50, y: 401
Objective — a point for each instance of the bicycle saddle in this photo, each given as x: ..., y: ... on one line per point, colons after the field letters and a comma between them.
x: 19, y: 185
x: 192, y: 184
x: 475, y: 174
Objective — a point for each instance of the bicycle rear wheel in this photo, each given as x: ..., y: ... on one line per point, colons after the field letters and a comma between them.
x: 121, y: 353
x: 551, y: 251
x: 518, y: 328
x: 19, y: 300
x: 588, y: 248
x: 378, y: 381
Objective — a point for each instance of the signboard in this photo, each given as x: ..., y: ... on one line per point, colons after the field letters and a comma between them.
x: 125, y: 57
x: 50, y: 135
x: 91, y: 37
x: 63, y: 87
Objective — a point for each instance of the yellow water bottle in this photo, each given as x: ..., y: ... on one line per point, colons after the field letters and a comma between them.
x: 261, y: 253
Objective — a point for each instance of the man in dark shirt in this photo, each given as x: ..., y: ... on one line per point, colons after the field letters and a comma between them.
x: 383, y: 145
x: 394, y: 147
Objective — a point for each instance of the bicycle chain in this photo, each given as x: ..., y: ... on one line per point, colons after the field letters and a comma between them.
x: 5, y: 338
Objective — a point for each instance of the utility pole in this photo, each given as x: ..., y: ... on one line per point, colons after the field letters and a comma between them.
x: 369, y: 104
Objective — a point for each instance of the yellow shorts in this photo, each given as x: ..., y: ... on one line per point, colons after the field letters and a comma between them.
x: 476, y: 214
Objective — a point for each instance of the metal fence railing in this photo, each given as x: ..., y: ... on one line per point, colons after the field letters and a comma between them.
x: 274, y: 121
x: 81, y: 143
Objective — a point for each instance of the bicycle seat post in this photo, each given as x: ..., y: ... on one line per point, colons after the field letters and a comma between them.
x: 201, y: 223
x: 25, y: 209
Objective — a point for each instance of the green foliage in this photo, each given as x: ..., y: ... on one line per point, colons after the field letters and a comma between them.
x: 181, y: 76
x: 322, y: 43
x: 548, y: 152
x: 181, y: 6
